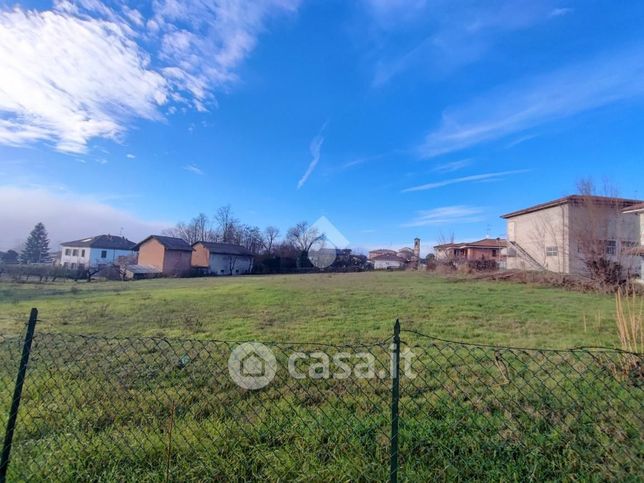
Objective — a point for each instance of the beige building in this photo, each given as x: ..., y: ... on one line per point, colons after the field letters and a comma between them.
x: 638, y: 251
x: 559, y: 235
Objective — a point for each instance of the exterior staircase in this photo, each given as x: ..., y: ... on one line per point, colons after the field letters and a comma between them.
x: 522, y: 253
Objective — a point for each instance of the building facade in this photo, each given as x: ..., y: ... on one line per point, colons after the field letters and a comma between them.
x: 486, y: 249
x: 95, y: 252
x: 170, y: 256
x: 562, y: 235
x: 222, y: 258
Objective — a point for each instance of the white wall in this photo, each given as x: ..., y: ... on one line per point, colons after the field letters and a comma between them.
x: 221, y: 264
x: 385, y: 264
x: 93, y: 256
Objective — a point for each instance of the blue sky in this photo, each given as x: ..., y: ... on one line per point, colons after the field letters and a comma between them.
x: 393, y: 119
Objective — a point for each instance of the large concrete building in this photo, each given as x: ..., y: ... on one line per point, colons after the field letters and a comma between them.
x: 558, y: 235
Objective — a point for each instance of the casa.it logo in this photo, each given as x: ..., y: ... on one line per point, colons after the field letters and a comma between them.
x: 324, y: 250
x: 252, y: 365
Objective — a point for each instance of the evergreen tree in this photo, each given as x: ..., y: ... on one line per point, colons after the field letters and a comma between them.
x: 37, y: 247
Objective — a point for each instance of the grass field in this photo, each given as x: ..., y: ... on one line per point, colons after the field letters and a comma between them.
x: 320, y: 308
x: 116, y: 406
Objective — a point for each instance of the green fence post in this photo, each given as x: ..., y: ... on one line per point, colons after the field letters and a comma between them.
x: 17, y: 394
x: 395, y: 396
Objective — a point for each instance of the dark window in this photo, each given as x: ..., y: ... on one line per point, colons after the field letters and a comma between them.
x: 494, y: 253
x: 103, y: 253
x: 82, y: 253
x: 68, y: 251
x: 611, y: 247
x: 75, y: 253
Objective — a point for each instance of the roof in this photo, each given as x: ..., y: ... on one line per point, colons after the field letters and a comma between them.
x: 484, y: 243
x: 574, y: 199
x: 169, y: 242
x: 635, y: 208
x: 103, y: 241
x: 387, y: 257
x: 225, y: 248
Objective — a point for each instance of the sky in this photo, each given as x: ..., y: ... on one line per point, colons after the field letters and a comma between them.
x: 393, y: 119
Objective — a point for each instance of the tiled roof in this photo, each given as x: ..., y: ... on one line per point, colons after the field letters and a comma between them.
x: 634, y: 208
x: 623, y: 202
x: 225, y: 248
x: 388, y: 258
x: 169, y: 242
x: 102, y: 241
x: 484, y: 243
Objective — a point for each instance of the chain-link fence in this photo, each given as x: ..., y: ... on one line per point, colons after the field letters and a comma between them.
x: 155, y: 409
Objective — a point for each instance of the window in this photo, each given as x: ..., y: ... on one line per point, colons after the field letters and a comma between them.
x: 73, y: 266
x: 65, y: 265
x: 82, y: 253
x: 494, y: 252
x: 81, y: 266
x: 103, y: 253
x: 552, y: 251
x: 74, y: 253
x: 68, y: 251
x: 611, y: 247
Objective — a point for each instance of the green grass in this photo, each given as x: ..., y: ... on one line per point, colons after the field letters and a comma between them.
x: 320, y: 308
x: 101, y: 408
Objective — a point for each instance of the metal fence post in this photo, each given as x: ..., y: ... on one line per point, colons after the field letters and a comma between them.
x: 395, y: 396
x: 17, y: 394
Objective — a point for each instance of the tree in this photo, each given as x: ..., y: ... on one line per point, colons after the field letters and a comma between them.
x: 228, y: 227
x: 197, y: 229
x: 10, y: 257
x: 302, y: 236
x: 271, y: 234
x: 37, y: 246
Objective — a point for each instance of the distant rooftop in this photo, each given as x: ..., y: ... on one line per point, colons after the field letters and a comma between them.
x: 484, y: 243
x: 225, y: 248
x: 169, y: 242
x: 112, y: 242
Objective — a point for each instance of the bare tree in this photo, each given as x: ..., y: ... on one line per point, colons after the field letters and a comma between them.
x: 197, y: 229
x: 302, y: 236
x: 228, y: 227
x: 271, y: 234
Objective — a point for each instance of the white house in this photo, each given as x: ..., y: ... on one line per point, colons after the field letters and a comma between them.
x: 222, y: 258
x: 95, y: 252
x: 387, y: 261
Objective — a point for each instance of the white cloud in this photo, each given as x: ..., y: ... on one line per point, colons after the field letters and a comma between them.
x: 193, y: 168
x: 314, y: 148
x: 446, y: 214
x: 452, y: 166
x: 560, y: 12
x: 465, y: 179
x: 520, y: 106
x: 84, y: 70
x: 66, y: 216
x: 67, y: 80
x: 440, y: 37
x: 130, y: 156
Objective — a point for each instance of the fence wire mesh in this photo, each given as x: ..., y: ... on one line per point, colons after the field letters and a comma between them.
x: 155, y: 409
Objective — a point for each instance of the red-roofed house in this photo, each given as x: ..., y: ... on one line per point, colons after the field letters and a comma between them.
x: 486, y: 249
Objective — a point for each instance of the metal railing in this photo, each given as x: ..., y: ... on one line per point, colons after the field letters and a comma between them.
x: 410, y: 408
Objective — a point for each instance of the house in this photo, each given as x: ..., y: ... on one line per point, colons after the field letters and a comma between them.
x: 563, y: 234
x: 169, y: 255
x: 388, y: 261
x: 380, y: 251
x: 485, y: 249
x: 387, y: 258
x: 95, y: 252
x: 222, y: 258
x: 638, y: 251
